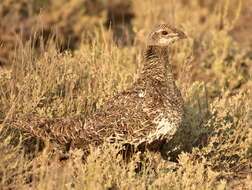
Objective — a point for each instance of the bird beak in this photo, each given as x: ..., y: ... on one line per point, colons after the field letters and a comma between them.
x: 178, y: 35
x: 182, y: 35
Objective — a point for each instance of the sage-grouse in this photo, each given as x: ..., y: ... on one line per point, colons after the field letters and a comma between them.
x: 145, y: 116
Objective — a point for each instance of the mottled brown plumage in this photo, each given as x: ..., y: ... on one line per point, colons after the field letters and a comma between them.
x: 146, y: 115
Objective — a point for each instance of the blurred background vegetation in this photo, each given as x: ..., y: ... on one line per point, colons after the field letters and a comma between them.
x: 72, y: 23
x: 64, y: 58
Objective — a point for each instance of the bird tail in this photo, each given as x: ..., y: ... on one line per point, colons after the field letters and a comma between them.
x: 58, y: 129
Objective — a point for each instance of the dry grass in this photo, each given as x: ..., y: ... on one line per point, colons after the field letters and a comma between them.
x: 213, y: 149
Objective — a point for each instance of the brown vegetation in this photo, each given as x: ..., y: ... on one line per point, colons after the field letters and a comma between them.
x: 213, y: 150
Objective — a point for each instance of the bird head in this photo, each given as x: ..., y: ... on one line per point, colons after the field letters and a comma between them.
x: 164, y: 35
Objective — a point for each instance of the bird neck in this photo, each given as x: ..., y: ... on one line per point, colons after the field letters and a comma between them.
x: 156, y: 65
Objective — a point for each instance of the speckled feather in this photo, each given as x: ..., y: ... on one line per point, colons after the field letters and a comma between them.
x: 145, y: 115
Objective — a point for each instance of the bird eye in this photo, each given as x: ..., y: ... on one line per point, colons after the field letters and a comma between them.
x: 164, y: 32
